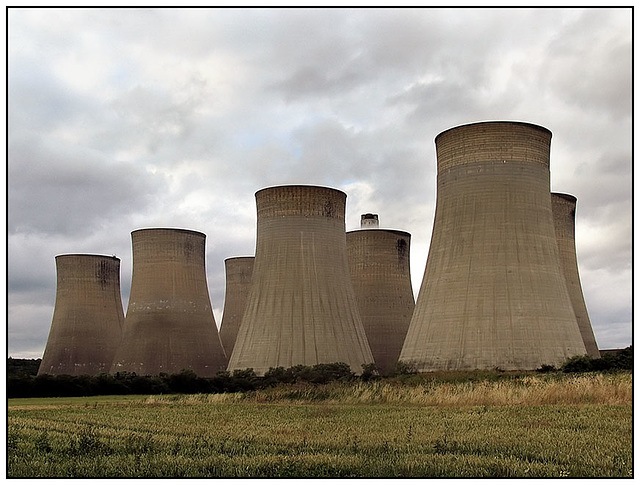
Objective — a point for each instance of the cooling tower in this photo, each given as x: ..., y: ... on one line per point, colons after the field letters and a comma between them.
x: 238, y: 274
x: 564, y: 213
x: 87, y: 318
x: 169, y: 324
x: 381, y: 277
x: 369, y: 221
x: 493, y: 292
x: 301, y: 308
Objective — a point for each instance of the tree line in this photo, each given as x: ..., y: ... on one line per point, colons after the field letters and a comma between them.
x: 22, y: 380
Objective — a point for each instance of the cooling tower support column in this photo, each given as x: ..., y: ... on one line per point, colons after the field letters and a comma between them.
x: 238, y: 283
x: 493, y: 292
x: 88, y: 316
x: 379, y: 266
x: 564, y: 215
x: 301, y: 308
x: 169, y: 324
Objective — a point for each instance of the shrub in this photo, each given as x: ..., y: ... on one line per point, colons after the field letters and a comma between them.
x: 323, y: 373
x: 243, y: 380
x: 22, y: 367
x: 578, y: 363
x: 545, y: 368
x: 185, y: 382
x: 369, y: 372
x: 622, y: 360
x: 404, y: 368
x: 277, y: 375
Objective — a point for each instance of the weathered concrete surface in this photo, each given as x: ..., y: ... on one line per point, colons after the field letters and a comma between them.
x: 381, y: 277
x: 169, y: 324
x: 493, y: 292
x: 301, y: 307
x: 563, y: 207
x: 238, y: 283
x: 88, y: 316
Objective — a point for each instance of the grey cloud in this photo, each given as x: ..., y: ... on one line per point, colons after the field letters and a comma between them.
x: 57, y: 189
x: 592, y: 61
x: 439, y: 98
x: 38, y: 99
x: 309, y: 80
x: 154, y: 119
x: 31, y: 274
x: 29, y: 329
x: 606, y: 295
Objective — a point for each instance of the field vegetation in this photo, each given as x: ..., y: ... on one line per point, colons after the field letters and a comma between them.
x: 22, y: 380
x: 490, y: 424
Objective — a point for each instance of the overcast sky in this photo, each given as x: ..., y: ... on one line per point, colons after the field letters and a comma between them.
x: 121, y: 119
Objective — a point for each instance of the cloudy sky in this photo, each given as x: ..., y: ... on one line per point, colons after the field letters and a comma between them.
x: 123, y: 119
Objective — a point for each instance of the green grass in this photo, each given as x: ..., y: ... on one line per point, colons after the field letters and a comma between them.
x: 337, y: 430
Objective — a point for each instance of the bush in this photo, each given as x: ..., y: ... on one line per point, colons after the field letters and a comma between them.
x: 578, y: 363
x: 244, y: 380
x: 277, y: 375
x: 404, y: 368
x: 545, y: 368
x: 323, y: 373
x: 186, y: 382
x: 369, y: 372
x: 622, y: 360
x: 22, y: 367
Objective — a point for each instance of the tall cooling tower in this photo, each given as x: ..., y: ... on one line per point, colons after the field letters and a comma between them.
x: 169, y: 324
x: 381, y: 277
x: 301, y: 308
x: 564, y: 215
x: 238, y: 275
x: 88, y: 317
x: 493, y: 292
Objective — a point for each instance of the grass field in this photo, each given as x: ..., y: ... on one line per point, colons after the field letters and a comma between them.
x: 547, y: 426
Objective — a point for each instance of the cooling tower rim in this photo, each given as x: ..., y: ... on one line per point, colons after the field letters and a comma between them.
x: 566, y: 196
x: 232, y: 258
x: 378, y: 229
x: 173, y: 229
x: 495, y: 122
x: 88, y: 255
x: 292, y: 186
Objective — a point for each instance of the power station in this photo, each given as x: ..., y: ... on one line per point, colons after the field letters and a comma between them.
x: 564, y: 215
x: 501, y: 286
x: 301, y: 308
x: 87, y: 318
x: 169, y: 324
x: 381, y: 277
x: 238, y: 283
x: 493, y: 293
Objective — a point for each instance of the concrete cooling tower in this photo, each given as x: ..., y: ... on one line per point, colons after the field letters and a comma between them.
x: 301, y: 308
x: 564, y: 214
x: 369, y: 221
x: 87, y: 318
x: 493, y: 292
x: 169, y: 324
x: 381, y: 277
x: 238, y: 275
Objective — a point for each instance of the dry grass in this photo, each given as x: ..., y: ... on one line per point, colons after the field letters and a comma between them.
x: 531, y: 390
